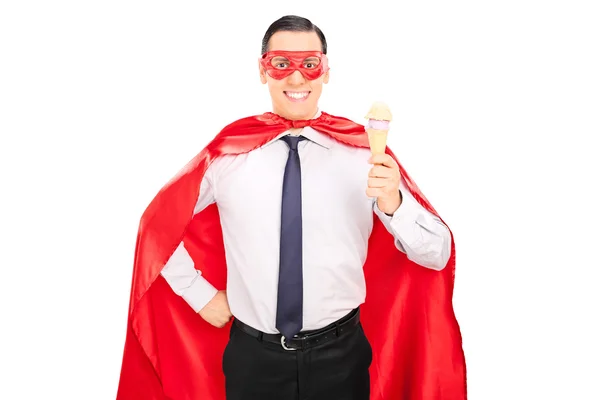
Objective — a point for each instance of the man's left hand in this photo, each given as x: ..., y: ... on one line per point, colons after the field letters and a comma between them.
x: 384, y: 183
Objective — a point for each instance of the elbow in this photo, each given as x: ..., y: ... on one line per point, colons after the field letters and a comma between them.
x: 443, y: 256
x: 440, y: 263
x: 445, y: 253
x: 431, y: 252
x: 432, y: 260
x: 436, y: 258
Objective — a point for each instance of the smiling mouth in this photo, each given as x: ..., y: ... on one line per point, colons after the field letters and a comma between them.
x: 296, y: 96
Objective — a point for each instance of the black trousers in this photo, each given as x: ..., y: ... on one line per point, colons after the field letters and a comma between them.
x: 260, y: 370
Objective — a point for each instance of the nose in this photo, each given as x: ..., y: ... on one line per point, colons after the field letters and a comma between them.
x: 296, y: 78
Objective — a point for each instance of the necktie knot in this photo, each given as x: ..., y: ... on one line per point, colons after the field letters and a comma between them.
x: 292, y: 141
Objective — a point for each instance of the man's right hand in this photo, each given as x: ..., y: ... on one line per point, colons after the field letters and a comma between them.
x: 217, y: 312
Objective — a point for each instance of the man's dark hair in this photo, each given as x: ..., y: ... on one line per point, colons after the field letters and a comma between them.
x: 292, y: 23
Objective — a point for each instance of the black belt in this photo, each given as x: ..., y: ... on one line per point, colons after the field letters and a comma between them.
x: 307, y: 339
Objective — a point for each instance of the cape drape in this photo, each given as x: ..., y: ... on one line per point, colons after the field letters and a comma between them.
x: 172, y: 353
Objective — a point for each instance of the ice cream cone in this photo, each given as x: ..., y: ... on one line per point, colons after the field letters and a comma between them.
x: 377, y: 128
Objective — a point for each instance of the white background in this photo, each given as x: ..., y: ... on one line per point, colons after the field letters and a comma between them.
x: 496, y: 105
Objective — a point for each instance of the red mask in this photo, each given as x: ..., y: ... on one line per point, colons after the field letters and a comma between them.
x: 281, y: 63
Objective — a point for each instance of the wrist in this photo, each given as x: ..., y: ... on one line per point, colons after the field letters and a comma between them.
x: 390, y: 205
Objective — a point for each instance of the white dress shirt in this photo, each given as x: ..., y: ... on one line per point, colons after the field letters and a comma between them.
x: 337, y: 218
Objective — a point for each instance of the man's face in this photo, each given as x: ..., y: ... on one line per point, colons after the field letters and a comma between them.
x: 294, y: 96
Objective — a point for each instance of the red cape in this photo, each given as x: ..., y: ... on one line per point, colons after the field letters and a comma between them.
x: 172, y: 353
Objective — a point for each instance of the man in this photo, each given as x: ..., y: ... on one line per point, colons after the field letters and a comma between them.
x: 307, y: 224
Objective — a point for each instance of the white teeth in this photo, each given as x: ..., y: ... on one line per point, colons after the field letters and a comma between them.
x: 297, y: 95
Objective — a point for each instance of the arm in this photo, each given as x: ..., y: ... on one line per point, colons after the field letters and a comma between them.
x: 418, y: 233
x: 180, y: 272
x: 186, y: 281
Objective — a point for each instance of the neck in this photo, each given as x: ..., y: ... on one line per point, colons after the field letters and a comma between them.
x: 311, y: 115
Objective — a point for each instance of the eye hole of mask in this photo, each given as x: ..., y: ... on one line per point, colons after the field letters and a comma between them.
x: 280, y: 63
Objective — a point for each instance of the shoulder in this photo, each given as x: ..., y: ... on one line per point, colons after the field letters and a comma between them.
x: 222, y: 163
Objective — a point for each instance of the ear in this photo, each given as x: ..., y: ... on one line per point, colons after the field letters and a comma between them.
x: 326, y: 77
x: 263, y: 73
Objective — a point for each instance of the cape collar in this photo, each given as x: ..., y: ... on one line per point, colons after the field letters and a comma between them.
x: 308, y: 132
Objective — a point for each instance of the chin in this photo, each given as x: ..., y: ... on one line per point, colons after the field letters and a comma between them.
x: 305, y: 112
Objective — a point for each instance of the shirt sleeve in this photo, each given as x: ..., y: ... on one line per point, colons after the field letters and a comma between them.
x: 422, y: 236
x: 180, y: 271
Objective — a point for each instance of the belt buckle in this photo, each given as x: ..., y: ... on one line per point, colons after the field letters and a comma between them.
x: 284, y: 346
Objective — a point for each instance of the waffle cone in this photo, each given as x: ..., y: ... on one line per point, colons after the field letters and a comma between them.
x: 377, y: 140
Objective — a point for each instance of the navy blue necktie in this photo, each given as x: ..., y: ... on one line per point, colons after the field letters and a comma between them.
x: 289, y: 296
